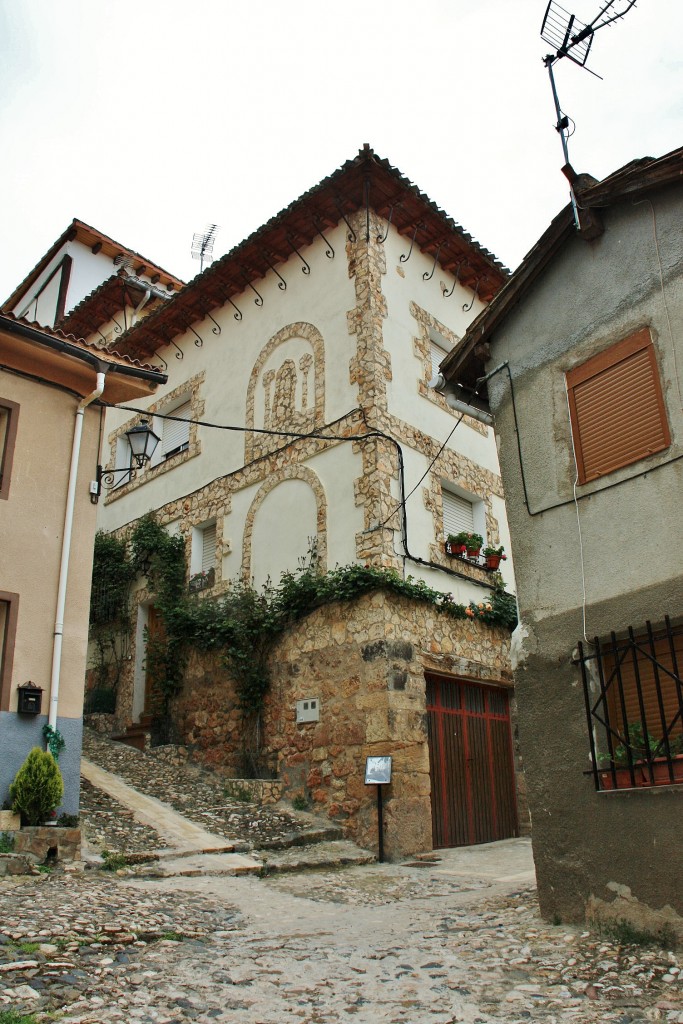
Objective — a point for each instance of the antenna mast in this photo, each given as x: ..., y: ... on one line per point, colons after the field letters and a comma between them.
x: 571, y: 38
x: 202, y: 245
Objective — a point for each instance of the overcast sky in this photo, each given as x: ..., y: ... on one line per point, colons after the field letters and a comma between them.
x: 149, y: 120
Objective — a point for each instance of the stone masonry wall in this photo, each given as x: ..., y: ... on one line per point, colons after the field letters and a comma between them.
x: 364, y: 661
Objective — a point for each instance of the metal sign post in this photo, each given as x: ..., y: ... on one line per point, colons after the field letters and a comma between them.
x: 378, y: 773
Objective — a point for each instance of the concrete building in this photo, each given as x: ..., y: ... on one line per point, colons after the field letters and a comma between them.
x: 312, y: 344
x: 584, y: 348
x: 49, y: 435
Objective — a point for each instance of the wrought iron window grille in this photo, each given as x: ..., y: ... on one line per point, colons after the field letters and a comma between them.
x: 633, y: 695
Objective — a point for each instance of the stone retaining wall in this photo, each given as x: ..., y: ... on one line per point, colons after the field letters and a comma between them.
x: 363, y: 661
x: 47, y: 843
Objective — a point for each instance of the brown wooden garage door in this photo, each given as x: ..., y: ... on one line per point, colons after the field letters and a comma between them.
x: 471, y: 763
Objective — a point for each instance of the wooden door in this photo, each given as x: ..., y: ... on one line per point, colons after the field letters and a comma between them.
x: 471, y: 763
x: 155, y: 629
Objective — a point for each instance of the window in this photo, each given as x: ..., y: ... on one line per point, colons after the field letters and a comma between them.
x: 460, y: 513
x: 9, y: 606
x: 634, y: 698
x: 616, y: 408
x: 209, y: 547
x: 203, y: 557
x: 439, y: 348
x: 9, y: 416
x: 175, y: 435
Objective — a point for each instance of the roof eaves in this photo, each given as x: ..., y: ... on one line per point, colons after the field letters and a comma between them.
x: 104, y: 355
x: 365, y: 158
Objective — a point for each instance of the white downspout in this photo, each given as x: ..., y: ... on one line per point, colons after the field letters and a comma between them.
x: 66, y: 548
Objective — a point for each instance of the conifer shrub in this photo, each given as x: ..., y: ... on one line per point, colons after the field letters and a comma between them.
x: 37, y: 788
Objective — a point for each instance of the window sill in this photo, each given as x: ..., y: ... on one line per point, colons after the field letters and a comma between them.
x: 644, y: 776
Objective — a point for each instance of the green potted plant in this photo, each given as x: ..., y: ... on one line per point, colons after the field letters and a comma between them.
x: 473, y: 544
x: 647, y: 771
x: 494, y: 556
x: 456, y: 543
x: 37, y: 788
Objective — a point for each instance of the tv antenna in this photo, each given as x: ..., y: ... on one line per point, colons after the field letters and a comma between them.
x: 571, y: 38
x: 202, y: 245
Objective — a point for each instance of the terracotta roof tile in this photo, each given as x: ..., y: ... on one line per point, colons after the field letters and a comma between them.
x: 388, y: 192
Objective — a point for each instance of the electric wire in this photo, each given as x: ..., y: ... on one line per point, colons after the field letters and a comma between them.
x: 427, y: 470
x: 339, y: 438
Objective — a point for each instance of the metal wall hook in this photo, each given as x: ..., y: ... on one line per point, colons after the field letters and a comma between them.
x: 179, y: 352
x: 118, y: 329
x: 461, y: 264
x: 466, y: 308
x: 214, y: 330
x: 282, y: 284
x: 102, y: 336
x: 162, y: 361
x: 237, y: 314
x: 198, y: 340
x: 426, y: 276
x: 305, y: 269
x: 329, y: 252
x: 382, y: 238
x: 352, y: 236
x: 405, y: 257
x: 258, y: 301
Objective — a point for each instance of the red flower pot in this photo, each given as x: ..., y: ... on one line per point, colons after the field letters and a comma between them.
x: 492, y: 561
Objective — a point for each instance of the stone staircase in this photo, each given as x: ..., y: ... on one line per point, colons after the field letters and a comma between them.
x: 161, y: 816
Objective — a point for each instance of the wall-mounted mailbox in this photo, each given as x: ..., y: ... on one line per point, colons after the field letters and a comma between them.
x: 308, y: 710
x: 30, y: 699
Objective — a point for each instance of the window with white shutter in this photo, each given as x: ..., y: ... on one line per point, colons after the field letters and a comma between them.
x: 209, y: 547
x: 458, y: 513
x: 175, y: 436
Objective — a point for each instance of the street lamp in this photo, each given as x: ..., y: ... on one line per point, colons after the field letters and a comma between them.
x: 142, y: 442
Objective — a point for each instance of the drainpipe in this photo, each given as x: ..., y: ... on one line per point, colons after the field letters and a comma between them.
x: 66, y: 547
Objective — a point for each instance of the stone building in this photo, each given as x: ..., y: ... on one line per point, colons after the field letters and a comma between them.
x: 328, y: 323
x: 592, y: 320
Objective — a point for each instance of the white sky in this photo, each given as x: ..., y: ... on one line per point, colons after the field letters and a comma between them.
x: 148, y: 120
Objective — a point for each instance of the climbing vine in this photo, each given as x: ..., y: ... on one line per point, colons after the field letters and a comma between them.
x: 109, y: 619
x: 243, y: 624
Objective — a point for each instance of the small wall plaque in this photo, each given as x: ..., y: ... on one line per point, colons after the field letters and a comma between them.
x: 377, y: 771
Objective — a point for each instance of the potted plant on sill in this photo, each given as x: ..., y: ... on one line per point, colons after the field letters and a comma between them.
x: 456, y: 543
x: 473, y: 544
x: 653, y: 771
x: 494, y: 556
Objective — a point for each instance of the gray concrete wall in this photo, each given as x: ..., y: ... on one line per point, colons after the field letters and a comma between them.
x: 19, y: 733
x: 588, y: 844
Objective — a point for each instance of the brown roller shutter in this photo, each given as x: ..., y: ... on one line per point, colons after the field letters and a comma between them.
x: 616, y: 407
x: 650, y: 673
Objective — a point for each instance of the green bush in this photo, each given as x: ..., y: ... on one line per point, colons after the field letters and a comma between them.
x: 37, y: 788
x: 6, y: 842
x: 12, y: 1017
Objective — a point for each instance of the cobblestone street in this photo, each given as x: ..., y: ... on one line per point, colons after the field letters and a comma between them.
x: 452, y: 940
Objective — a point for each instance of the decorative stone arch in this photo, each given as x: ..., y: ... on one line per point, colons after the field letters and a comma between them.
x: 293, y: 472
x: 312, y: 415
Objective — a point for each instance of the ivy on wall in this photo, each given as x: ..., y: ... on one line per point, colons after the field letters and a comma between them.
x: 243, y: 624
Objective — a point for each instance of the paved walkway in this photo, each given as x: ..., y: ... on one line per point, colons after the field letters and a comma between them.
x: 455, y: 940
x: 182, y: 836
